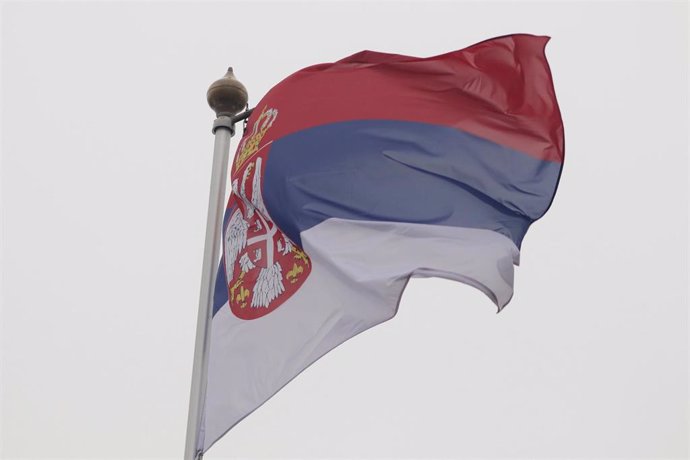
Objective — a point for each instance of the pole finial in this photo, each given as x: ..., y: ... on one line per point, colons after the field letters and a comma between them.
x: 227, y: 96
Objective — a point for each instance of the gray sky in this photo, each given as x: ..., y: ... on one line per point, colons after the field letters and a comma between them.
x: 106, y: 154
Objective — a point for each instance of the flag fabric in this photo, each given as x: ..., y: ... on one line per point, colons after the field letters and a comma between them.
x: 354, y: 176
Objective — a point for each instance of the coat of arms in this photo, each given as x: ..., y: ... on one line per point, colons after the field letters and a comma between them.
x: 263, y: 266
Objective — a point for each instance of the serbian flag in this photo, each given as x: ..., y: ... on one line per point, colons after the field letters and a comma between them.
x: 354, y: 176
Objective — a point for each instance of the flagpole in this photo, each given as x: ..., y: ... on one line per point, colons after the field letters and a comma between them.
x: 227, y: 97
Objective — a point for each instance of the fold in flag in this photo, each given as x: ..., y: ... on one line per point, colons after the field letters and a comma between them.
x: 356, y: 175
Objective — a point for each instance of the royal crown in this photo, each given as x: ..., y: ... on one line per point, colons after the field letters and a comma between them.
x: 250, y: 145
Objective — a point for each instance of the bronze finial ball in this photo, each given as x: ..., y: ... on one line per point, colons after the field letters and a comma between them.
x: 227, y: 96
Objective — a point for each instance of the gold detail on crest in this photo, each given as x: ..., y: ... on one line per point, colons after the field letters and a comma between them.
x: 294, y: 271
x: 300, y: 255
x: 243, y: 292
x: 242, y: 296
x: 250, y: 145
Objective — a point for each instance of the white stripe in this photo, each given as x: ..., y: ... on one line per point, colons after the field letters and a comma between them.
x: 359, y: 270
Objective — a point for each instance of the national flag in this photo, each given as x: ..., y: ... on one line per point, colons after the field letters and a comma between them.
x: 354, y: 176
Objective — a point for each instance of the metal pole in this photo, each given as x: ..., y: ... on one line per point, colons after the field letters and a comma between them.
x: 226, y: 97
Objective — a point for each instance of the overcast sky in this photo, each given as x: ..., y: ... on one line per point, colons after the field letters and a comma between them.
x: 106, y: 155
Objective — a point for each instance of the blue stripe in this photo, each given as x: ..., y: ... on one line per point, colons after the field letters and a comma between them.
x: 384, y: 170
x: 220, y: 292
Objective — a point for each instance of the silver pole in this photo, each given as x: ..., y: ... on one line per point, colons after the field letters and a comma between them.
x: 227, y: 97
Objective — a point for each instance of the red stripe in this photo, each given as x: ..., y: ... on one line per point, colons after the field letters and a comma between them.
x: 500, y: 89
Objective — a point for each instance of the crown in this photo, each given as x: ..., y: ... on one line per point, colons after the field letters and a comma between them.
x: 250, y: 144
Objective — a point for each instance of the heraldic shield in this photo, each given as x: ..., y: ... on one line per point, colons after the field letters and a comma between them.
x: 263, y: 266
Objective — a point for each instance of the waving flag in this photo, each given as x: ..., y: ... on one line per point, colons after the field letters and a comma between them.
x: 356, y: 175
